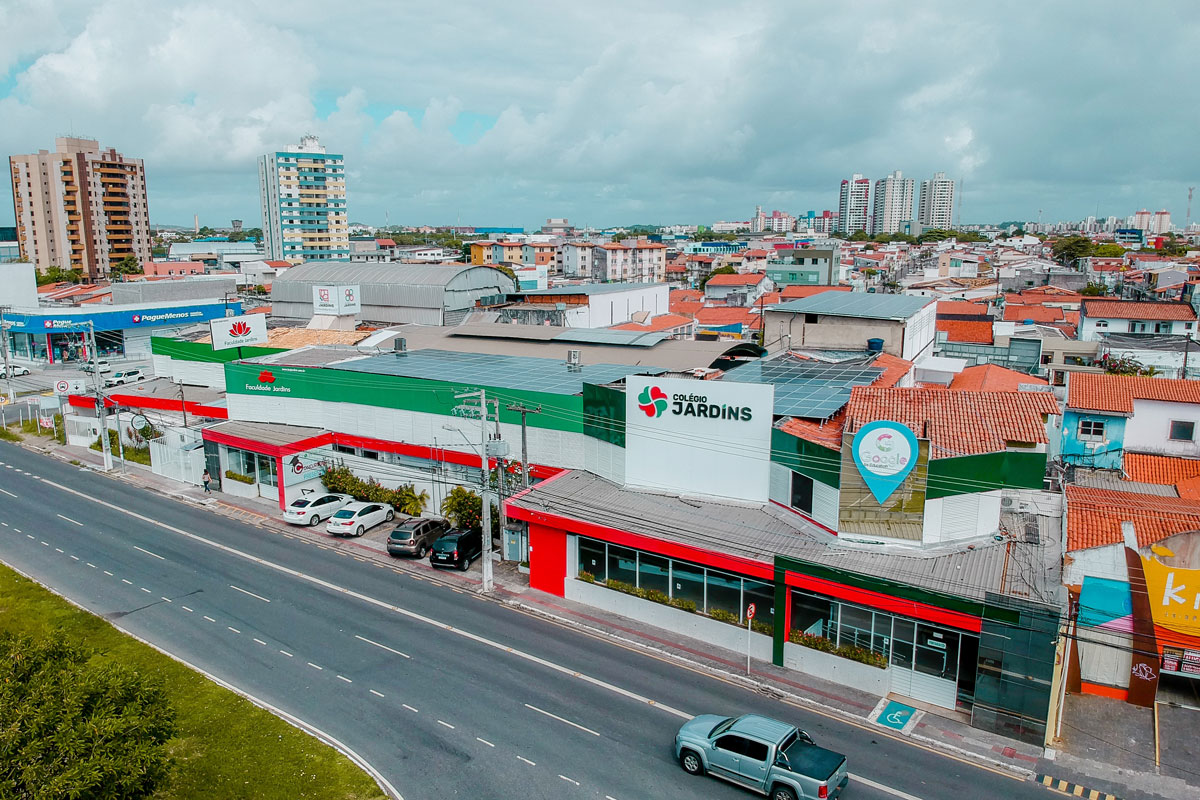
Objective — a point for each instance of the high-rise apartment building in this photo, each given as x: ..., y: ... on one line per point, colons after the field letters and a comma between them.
x: 893, y: 203
x: 303, y: 192
x: 936, y: 207
x: 1141, y: 220
x: 80, y: 207
x: 854, y: 205
x: 1161, y: 222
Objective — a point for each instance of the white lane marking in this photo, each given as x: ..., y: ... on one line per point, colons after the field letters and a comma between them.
x: 344, y: 678
x: 144, y: 589
x: 207, y: 617
x: 147, y: 552
x: 75, y: 558
x: 252, y: 594
x: 377, y: 694
x: 314, y: 666
x: 109, y: 574
x: 569, y: 780
x: 485, y: 741
x: 260, y: 641
x: 560, y: 719
x: 45, y: 544
x: 286, y: 653
x: 410, y: 708
x: 27, y: 536
x: 447, y: 724
x: 384, y: 646
x: 68, y: 519
x: 58, y: 549
x: 125, y: 581
x: 527, y: 761
x: 882, y: 788
x: 609, y: 797
x: 235, y: 630
x: 5, y: 524
x: 185, y: 608
x: 90, y: 564
x: 18, y: 530
x: 375, y: 602
x: 10, y: 494
x: 169, y: 600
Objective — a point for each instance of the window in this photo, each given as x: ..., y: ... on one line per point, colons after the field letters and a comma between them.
x: 652, y: 573
x: 732, y: 744
x: 810, y: 319
x: 622, y: 565
x: 341, y: 448
x: 687, y: 582
x: 802, y: 493
x: 724, y: 592
x: 756, y: 750
x: 1091, y: 430
x: 1162, y: 327
x: 1101, y: 323
x: 1182, y: 431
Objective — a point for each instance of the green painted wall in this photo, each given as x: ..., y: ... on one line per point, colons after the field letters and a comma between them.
x: 967, y: 474
x: 198, y: 351
x: 813, y: 460
x: 559, y: 412
x: 604, y: 414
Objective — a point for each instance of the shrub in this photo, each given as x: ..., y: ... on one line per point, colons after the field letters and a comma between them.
x: 721, y: 615
x: 237, y: 476
x: 762, y: 626
x: 8, y: 436
x: 653, y: 595
x: 403, y: 498
x: 141, y: 455
x: 587, y: 577
x: 852, y: 652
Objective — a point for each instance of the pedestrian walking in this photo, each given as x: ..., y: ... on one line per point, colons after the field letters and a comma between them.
x: 207, y: 479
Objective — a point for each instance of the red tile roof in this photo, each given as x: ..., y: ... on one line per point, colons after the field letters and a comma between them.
x: 992, y: 378
x: 725, y: 315
x: 686, y: 294
x: 1189, y: 488
x: 688, y: 308
x: 663, y: 322
x: 801, y: 292
x: 1134, y: 309
x: 1094, y: 517
x: 1145, y: 468
x: 747, y: 254
x: 1115, y: 393
x: 960, y: 330
x: 737, y: 279
x: 962, y: 307
x: 827, y: 434
x: 956, y: 423
x: 1034, y: 313
x: 894, y: 369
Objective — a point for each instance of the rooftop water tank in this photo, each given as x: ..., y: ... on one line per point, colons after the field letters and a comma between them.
x: 875, y: 345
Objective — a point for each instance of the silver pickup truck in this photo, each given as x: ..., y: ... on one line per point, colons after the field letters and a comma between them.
x: 770, y: 757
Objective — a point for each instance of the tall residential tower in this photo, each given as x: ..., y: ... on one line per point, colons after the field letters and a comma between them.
x: 854, y: 205
x: 893, y: 203
x: 80, y: 207
x: 936, y: 208
x: 303, y: 192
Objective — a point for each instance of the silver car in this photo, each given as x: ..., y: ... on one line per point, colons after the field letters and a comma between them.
x: 312, y: 508
x: 354, y: 519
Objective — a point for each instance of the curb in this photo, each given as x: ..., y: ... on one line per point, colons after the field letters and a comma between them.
x: 1074, y: 789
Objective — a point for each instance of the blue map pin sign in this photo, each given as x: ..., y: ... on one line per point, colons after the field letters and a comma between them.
x: 884, y: 452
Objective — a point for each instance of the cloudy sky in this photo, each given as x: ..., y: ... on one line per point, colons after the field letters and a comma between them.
x: 669, y: 111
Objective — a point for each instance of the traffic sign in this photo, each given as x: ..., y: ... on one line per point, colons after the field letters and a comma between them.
x: 750, y: 611
x: 69, y: 387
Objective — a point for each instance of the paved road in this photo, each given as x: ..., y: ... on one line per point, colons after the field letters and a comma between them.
x: 445, y: 693
x: 42, y: 379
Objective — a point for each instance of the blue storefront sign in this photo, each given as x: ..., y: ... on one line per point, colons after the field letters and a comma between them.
x: 123, y: 319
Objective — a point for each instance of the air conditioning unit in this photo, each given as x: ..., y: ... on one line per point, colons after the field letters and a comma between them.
x: 574, y: 357
x: 1007, y: 503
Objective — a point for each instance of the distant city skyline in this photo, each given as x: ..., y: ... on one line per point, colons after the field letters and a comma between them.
x: 602, y: 123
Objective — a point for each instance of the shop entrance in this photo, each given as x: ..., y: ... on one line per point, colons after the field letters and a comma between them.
x: 925, y: 664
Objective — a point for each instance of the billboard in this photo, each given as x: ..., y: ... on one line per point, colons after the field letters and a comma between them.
x: 240, y: 331
x: 129, y: 317
x: 336, y: 300
x: 699, y: 437
x: 884, y: 478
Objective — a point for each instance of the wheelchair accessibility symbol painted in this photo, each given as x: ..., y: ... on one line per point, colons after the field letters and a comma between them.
x: 895, y: 715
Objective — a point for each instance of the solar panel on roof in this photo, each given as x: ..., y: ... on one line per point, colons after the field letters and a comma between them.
x: 810, y: 389
x: 605, y: 336
x: 505, y: 372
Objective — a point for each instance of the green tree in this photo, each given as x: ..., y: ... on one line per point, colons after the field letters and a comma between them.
x: 1127, y: 366
x: 1108, y: 250
x: 126, y: 266
x: 1094, y: 290
x: 717, y: 271
x: 463, y: 508
x: 902, y: 237
x: 76, y: 725
x: 1072, y: 248
x: 56, y: 274
x: 409, y: 501
x: 860, y: 236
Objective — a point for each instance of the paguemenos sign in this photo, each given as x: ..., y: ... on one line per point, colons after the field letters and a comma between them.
x: 884, y: 452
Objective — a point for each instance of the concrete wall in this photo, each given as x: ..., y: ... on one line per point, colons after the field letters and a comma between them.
x: 1106, y: 454
x: 191, y: 373
x: 963, y: 516
x: 838, y: 333
x: 1098, y: 562
x: 1147, y: 430
x: 840, y: 670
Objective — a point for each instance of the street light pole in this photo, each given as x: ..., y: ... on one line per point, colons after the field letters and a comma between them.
x: 484, y: 475
x: 101, y: 411
x: 12, y: 394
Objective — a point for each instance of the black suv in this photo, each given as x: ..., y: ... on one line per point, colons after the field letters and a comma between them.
x: 458, y: 548
x: 414, y: 536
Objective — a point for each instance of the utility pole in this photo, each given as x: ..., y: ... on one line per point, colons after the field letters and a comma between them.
x: 101, y: 411
x: 1188, y: 223
x: 524, y: 410
x: 484, y: 475
x: 12, y: 394
x: 182, y: 404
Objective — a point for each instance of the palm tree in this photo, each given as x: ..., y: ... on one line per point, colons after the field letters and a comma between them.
x: 409, y: 501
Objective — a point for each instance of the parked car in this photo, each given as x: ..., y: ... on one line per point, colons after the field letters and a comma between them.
x: 415, y: 536
x: 16, y: 369
x: 456, y: 548
x: 312, y: 508
x: 100, y: 366
x: 125, y: 376
x: 770, y: 757
x: 356, y: 518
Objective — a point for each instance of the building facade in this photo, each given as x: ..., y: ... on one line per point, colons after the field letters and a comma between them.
x: 854, y: 205
x: 936, y: 208
x: 303, y: 192
x: 80, y: 207
x: 893, y: 203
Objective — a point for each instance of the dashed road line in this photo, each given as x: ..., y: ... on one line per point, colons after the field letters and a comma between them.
x: 147, y: 552
x: 286, y: 653
x: 68, y: 519
x: 75, y: 558
x: 377, y: 694
x: 569, y: 780
x: 410, y: 708
x: 44, y: 544
x: 527, y: 761
x: 58, y: 549
x: 344, y: 678
x: 252, y: 594
x: 10, y: 494
x: 314, y: 666
x: 384, y: 646
x: 485, y: 741
x: 185, y: 608
x: 109, y: 574
x: 126, y: 581
x: 235, y: 630
x: 210, y: 619
x: 27, y: 536
x: 447, y: 724
x: 144, y: 589
x: 260, y: 641
x: 561, y: 719
x: 90, y: 564
x: 163, y: 597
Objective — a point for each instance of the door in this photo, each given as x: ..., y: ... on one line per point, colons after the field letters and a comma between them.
x: 725, y: 756
x: 752, y: 766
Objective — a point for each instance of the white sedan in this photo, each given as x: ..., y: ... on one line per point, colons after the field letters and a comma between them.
x: 355, y: 518
x: 312, y: 508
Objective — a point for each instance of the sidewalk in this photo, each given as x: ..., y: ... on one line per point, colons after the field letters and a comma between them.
x: 1114, y: 768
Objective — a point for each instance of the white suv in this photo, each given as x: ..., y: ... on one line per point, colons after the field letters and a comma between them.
x: 125, y: 376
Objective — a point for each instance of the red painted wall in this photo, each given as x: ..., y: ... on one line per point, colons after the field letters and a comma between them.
x: 547, y: 558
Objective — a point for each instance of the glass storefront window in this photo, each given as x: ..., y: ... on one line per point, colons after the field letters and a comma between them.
x: 592, y: 558
x: 763, y: 597
x: 855, y: 627
x: 652, y: 573
x: 622, y: 565
x: 239, y: 461
x: 687, y: 582
x: 815, y: 616
x: 903, y: 633
x: 937, y: 652
x: 266, y: 470
x: 724, y: 592
x: 883, y: 633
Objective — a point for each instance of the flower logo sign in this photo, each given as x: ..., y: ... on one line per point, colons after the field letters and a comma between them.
x: 652, y: 401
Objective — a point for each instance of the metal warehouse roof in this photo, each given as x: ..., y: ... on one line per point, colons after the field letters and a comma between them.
x: 502, y: 371
x: 320, y: 272
x: 590, y: 289
x: 266, y: 432
x: 1010, y: 567
x: 857, y: 304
